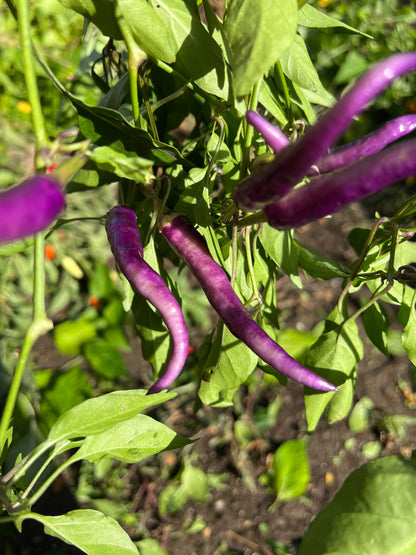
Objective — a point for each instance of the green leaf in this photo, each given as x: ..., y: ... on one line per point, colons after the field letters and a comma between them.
x: 298, y: 66
x: 60, y: 391
x: 409, y: 333
x: 227, y: 366
x: 99, y: 12
x: 269, y: 99
x: 100, y: 285
x: 89, y: 530
x: 360, y: 417
x: 318, y: 265
x: 279, y: 245
x: 94, y: 416
x: 334, y: 356
x: 150, y: 546
x: 374, y: 512
x: 122, y: 164
x: 172, y: 499
x: 257, y: 33
x: 155, y: 338
x: 148, y: 30
x: 291, y: 472
x: 104, y: 359
x: 198, y: 56
x: 295, y: 342
x: 70, y: 336
x: 311, y: 17
x: 109, y: 128
x: 376, y: 324
x: 195, y: 482
x: 130, y: 441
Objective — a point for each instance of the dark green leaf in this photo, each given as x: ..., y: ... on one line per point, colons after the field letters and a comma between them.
x: 318, y: 265
x: 279, y: 245
x: 376, y: 324
x: 374, y: 512
x: 198, y: 55
x: 227, y: 366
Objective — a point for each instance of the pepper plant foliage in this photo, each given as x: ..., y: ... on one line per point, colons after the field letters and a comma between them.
x: 169, y: 83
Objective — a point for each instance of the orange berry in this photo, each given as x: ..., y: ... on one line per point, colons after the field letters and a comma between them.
x: 50, y: 252
x: 93, y: 301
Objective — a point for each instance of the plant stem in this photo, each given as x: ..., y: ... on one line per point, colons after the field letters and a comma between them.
x: 39, y: 325
x: 35, y: 330
x: 149, y: 111
x: 288, y: 102
x: 38, y: 123
x: 32, y: 500
x: 249, y: 258
x: 249, y: 130
x: 251, y: 219
x: 136, y: 57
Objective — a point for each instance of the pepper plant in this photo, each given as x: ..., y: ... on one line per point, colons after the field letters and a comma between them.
x: 176, y: 94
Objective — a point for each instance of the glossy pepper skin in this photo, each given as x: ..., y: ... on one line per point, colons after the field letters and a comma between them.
x: 29, y: 207
x: 190, y: 246
x: 346, y: 154
x: 275, y: 180
x: 373, y: 142
x: 124, y: 239
x: 332, y: 191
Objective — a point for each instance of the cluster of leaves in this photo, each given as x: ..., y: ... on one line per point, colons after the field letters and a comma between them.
x: 160, y: 93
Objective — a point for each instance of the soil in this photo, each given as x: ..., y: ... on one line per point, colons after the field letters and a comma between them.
x: 242, y: 517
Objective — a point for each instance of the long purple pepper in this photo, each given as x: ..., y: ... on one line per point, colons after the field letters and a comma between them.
x: 190, y: 246
x: 124, y: 239
x: 275, y: 180
x: 332, y: 191
x: 373, y: 142
x: 29, y: 207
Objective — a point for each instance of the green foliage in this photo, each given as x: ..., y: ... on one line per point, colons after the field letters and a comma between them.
x: 192, y: 483
x: 76, y: 526
x: 173, y: 138
x: 257, y: 35
x: 364, y: 517
x: 290, y: 470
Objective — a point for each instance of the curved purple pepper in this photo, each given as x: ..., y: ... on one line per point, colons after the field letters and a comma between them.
x: 332, y: 191
x: 276, y: 179
x: 275, y: 138
x: 371, y: 143
x: 190, y: 246
x: 29, y: 207
x: 124, y: 238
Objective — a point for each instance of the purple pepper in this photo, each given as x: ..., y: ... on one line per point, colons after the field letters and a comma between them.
x: 29, y: 207
x: 190, y: 246
x: 275, y: 138
x: 373, y: 142
x: 124, y: 238
x: 276, y: 179
x: 332, y: 191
